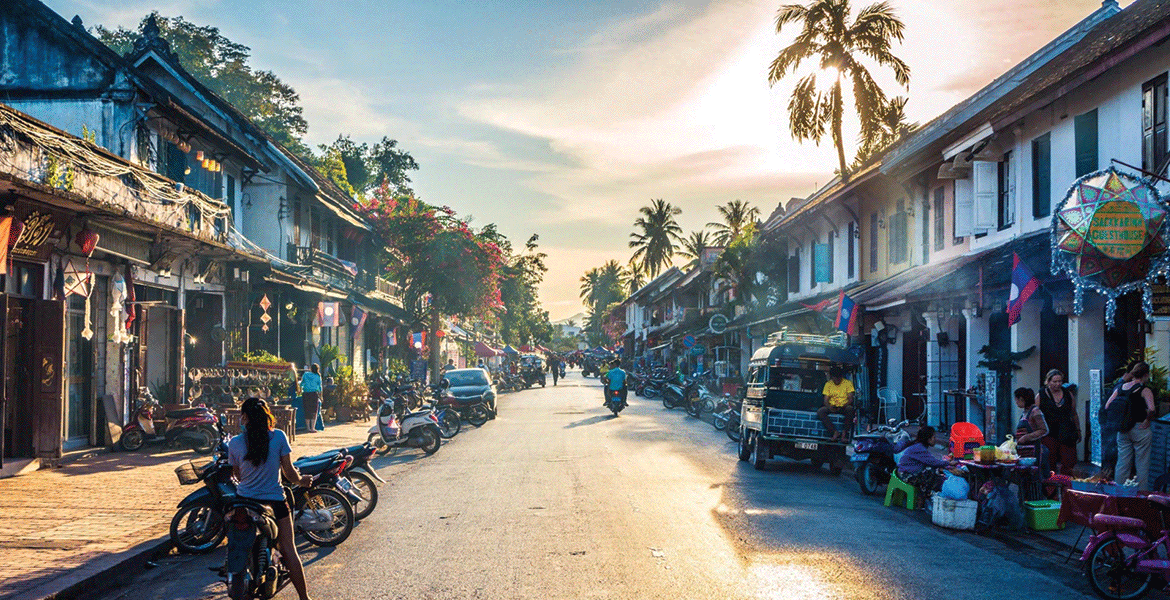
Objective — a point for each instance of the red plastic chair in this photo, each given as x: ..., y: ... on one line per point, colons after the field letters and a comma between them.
x: 965, y: 437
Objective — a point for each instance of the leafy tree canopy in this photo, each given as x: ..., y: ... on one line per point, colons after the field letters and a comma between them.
x: 369, y: 166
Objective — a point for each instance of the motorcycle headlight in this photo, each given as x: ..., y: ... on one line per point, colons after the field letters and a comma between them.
x: 489, y: 395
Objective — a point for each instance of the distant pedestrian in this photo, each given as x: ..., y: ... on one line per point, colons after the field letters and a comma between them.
x: 1059, y: 405
x: 311, y: 396
x: 554, y: 366
x: 1134, y: 437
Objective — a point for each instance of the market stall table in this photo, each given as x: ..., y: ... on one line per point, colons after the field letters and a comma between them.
x: 1026, y: 477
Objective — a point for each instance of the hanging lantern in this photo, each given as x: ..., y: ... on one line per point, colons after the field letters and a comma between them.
x: 14, y: 232
x: 87, y: 240
x: 198, y: 155
x: 207, y: 163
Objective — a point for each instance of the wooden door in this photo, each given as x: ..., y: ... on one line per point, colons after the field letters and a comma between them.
x: 48, y: 382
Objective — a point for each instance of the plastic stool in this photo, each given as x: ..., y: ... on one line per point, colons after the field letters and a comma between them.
x: 897, y: 486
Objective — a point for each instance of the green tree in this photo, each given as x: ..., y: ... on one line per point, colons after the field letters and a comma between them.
x: 737, y: 215
x: 654, y: 240
x: 522, y: 321
x: 332, y: 165
x: 368, y: 166
x: 692, y: 247
x: 837, y: 46
x: 602, y: 288
x: 222, y: 66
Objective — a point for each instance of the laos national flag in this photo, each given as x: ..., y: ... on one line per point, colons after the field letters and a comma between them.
x: 1024, y: 284
x: 847, y: 311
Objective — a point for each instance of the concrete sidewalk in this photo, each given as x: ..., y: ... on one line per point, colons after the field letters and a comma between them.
x: 103, y: 513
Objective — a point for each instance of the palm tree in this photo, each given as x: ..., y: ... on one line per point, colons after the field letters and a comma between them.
x: 590, y: 285
x: 837, y: 47
x: 693, y: 246
x: 737, y: 215
x: 636, y: 278
x: 890, y: 126
x: 654, y: 244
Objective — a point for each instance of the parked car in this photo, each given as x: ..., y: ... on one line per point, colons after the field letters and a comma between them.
x: 469, y: 386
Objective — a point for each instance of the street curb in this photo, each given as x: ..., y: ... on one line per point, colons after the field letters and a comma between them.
x: 90, y: 580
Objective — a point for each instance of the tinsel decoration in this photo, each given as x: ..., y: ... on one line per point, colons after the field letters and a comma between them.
x: 1110, y: 235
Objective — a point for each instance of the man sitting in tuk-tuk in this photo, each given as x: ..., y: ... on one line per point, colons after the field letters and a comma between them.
x: 839, y: 394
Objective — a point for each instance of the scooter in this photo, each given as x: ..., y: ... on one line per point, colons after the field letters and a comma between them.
x: 873, y: 455
x: 253, y: 567
x: 193, y: 427
x: 613, y: 401
x: 414, y: 430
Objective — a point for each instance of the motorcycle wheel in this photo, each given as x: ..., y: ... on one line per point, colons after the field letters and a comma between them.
x: 197, y: 528
x: 238, y: 589
x: 477, y: 416
x: 450, y: 424
x: 364, y: 485
x: 867, y: 478
x: 268, y: 589
x: 334, y: 502
x: 208, y: 441
x: 1111, y: 573
x: 694, y: 407
x: 431, y: 440
x: 132, y: 440
x: 719, y: 422
x: 732, y: 430
x: 666, y: 402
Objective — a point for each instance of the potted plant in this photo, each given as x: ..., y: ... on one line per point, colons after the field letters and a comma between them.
x: 349, y: 394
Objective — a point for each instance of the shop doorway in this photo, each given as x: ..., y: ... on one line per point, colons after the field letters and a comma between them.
x: 1125, y: 339
x: 18, y: 406
x: 79, y: 370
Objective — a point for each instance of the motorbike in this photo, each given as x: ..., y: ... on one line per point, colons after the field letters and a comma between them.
x: 356, y: 481
x: 613, y: 401
x: 726, y: 417
x: 699, y: 397
x: 873, y: 455
x: 253, y: 566
x: 190, y: 427
x: 394, y: 429
x: 198, y: 527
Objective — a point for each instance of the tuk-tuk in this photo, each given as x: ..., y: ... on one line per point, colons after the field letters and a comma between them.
x: 532, y: 370
x: 784, y: 383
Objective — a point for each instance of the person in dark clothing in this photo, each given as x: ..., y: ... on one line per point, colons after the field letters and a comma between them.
x: 1031, y: 429
x: 554, y: 367
x: 1134, y: 437
x: 1111, y: 417
x: 1059, y: 406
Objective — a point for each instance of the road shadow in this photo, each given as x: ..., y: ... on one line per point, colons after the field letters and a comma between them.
x: 590, y: 421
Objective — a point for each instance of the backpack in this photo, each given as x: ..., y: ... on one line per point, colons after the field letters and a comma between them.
x: 1133, y: 400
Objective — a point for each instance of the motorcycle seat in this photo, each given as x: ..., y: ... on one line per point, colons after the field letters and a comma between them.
x: 183, y: 413
x: 1117, y: 522
x: 232, y: 502
x: 317, y: 467
x: 358, y: 449
x: 327, y: 456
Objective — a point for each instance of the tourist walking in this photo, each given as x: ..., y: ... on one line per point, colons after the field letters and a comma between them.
x: 1059, y: 406
x: 1134, y: 437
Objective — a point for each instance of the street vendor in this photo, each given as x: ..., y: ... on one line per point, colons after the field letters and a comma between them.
x: 918, y: 466
x: 838, y: 393
x: 1032, y: 428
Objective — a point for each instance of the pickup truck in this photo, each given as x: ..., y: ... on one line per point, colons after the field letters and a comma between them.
x: 784, y: 384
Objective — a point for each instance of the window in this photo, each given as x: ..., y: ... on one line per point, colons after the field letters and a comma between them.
x: 812, y: 264
x: 1042, y: 176
x: 231, y: 193
x: 296, y: 215
x: 1085, y: 129
x: 926, y: 231
x: 1154, y: 125
x: 1007, y: 216
x: 957, y: 234
x: 830, y: 255
x: 897, y: 234
x: 852, y: 248
x: 939, y: 222
x: 794, y: 271
x: 873, y: 243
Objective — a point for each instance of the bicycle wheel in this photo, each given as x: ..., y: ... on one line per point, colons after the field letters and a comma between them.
x: 1112, y: 572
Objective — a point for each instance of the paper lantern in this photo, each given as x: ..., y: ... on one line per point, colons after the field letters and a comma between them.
x: 87, y: 240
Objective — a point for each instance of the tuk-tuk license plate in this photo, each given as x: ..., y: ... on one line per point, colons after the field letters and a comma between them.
x: 860, y: 457
x: 806, y: 446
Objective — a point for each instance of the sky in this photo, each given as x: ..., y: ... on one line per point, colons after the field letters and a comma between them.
x: 563, y: 118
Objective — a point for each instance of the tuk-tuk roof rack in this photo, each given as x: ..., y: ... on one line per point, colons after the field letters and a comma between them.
x: 836, y: 340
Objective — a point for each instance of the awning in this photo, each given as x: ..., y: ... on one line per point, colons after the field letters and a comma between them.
x: 486, y: 351
x: 381, y: 307
x: 510, y: 350
x: 342, y: 214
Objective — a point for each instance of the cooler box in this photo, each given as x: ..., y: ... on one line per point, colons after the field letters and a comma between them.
x: 1041, y: 515
x: 954, y: 514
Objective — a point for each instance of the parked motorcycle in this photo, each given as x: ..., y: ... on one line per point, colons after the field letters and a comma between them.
x: 356, y: 481
x: 726, y: 417
x: 198, y: 527
x: 189, y: 427
x: 414, y: 430
x: 873, y: 455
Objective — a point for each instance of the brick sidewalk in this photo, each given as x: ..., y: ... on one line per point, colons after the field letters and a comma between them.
x: 62, y: 525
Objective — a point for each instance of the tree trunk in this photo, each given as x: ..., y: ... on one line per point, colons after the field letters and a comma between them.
x: 838, y: 136
x: 433, y: 345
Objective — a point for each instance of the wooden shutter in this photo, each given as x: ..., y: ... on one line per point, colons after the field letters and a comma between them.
x: 48, y: 382
x: 1042, y: 176
x: 852, y: 249
x: 964, y: 208
x: 1085, y: 130
x: 985, y: 183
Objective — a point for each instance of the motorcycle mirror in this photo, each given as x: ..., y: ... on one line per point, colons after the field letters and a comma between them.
x: 892, y: 422
x: 445, y: 384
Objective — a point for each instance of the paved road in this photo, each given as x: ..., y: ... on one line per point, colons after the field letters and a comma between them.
x: 557, y: 499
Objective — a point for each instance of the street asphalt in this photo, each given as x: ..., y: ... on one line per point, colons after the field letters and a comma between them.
x: 558, y: 499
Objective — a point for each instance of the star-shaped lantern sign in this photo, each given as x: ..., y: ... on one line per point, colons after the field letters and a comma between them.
x: 264, y: 318
x: 1109, y: 234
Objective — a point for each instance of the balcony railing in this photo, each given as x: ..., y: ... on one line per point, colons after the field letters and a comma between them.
x: 325, y: 265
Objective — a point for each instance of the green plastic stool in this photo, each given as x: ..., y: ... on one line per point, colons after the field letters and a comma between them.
x: 898, y: 486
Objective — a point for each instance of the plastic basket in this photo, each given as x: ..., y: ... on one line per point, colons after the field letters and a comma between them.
x: 1041, y: 515
x: 954, y: 514
x: 188, y: 472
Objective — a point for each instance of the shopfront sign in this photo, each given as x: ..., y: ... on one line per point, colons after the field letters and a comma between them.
x: 1159, y: 302
x: 1118, y: 230
x: 43, y: 228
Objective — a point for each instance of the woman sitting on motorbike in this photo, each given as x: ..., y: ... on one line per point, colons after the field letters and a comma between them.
x: 918, y: 466
x: 258, y: 456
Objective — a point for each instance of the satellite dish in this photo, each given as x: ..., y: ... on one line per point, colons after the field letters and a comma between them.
x: 717, y: 323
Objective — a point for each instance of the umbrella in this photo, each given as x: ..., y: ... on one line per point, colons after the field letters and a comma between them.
x: 482, y: 349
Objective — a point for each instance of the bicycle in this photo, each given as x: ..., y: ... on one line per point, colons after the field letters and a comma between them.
x: 1120, y: 560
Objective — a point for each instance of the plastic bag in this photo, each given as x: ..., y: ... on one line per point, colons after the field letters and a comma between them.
x: 955, y: 488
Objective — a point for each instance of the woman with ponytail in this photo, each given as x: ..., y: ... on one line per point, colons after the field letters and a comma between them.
x: 258, y: 456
